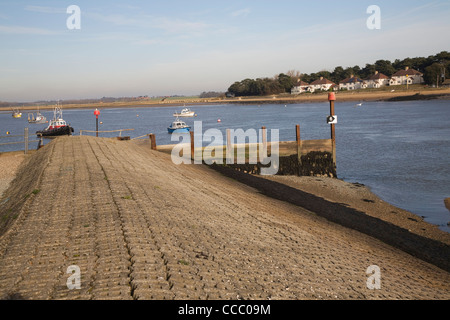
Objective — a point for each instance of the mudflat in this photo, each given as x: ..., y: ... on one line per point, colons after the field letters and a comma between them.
x: 140, y: 227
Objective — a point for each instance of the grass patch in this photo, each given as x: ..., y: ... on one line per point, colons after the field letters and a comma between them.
x: 183, y: 262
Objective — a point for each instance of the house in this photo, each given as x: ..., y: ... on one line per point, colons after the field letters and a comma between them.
x: 352, y: 83
x: 376, y: 81
x: 407, y: 76
x: 321, y: 84
x: 300, y: 87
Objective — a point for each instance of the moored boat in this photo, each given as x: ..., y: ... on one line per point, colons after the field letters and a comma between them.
x: 39, y: 118
x: 186, y: 112
x: 178, y: 126
x: 16, y: 113
x: 57, y: 126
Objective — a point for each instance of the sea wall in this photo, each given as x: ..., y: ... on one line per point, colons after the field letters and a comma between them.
x: 315, y: 163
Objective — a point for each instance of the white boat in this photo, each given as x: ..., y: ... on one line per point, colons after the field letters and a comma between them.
x: 178, y: 126
x: 39, y: 118
x: 186, y: 112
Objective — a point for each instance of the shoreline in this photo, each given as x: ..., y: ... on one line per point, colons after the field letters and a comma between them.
x: 347, y: 96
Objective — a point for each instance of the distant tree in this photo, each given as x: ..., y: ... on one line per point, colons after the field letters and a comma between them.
x: 295, y: 75
x: 337, y: 75
x: 258, y: 87
x: 350, y: 71
x: 385, y: 67
x: 323, y: 73
x: 435, y: 74
x: 286, y: 82
x: 367, y: 71
x: 211, y: 94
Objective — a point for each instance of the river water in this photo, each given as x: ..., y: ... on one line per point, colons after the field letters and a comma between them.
x: 400, y: 150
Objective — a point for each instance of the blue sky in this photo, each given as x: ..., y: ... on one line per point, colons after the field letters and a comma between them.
x: 132, y: 48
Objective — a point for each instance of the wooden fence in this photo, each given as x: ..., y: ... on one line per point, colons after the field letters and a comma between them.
x: 26, y: 140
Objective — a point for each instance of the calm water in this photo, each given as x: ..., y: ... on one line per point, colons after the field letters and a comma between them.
x: 400, y: 150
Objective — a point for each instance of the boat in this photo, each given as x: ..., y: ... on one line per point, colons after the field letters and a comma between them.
x: 16, y: 113
x: 186, y: 112
x: 57, y: 126
x: 178, y: 126
x: 39, y: 118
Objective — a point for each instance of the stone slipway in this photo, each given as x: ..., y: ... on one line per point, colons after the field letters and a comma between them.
x: 140, y: 227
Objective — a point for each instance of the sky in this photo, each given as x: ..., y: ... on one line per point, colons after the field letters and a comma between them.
x: 162, y: 48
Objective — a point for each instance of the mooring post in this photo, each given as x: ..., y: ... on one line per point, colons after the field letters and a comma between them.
x: 192, y: 145
x: 41, y: 142
x: 25, y: 138
x: 299, y: 147
x: 97, y: 113
x: 230, y: 150
x: 264, y: 139
x: 152, y: 141
x: 332, y: 99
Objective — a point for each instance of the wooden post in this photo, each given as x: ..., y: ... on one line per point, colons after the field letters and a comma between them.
x: 25, y: 138
x: 264, y: 140
x: 299, y: 147
x: 41, y: 142
x: 230, y: 149
x: 152, y: 141
x: 192, y: 145
x: 332, y: 98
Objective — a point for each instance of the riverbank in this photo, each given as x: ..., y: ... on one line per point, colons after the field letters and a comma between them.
x: 140, y: 227
x: 418, y: 93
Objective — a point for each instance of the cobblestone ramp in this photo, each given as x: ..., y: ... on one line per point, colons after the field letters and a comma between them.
x: 139, y: 227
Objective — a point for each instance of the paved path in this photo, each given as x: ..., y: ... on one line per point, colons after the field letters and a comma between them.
x: 139, y: 227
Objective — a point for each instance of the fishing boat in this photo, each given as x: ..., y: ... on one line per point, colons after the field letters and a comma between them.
x: 57, y: 126
x: 16, y: 113
x: 186, y: 112
x: 39, y: 118
x: 178, y: 126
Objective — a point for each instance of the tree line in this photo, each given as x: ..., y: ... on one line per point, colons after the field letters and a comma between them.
x: 435, y: 69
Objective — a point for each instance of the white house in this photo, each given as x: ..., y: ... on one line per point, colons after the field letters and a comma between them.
x: 300, y: 87
x: 352, y: 83
x: 376, y: 81
x: 321, y: 84
x: 407, y: 76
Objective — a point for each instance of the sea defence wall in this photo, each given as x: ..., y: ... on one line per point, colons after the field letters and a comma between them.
x: 300, y: 157
x: 307, y: 158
